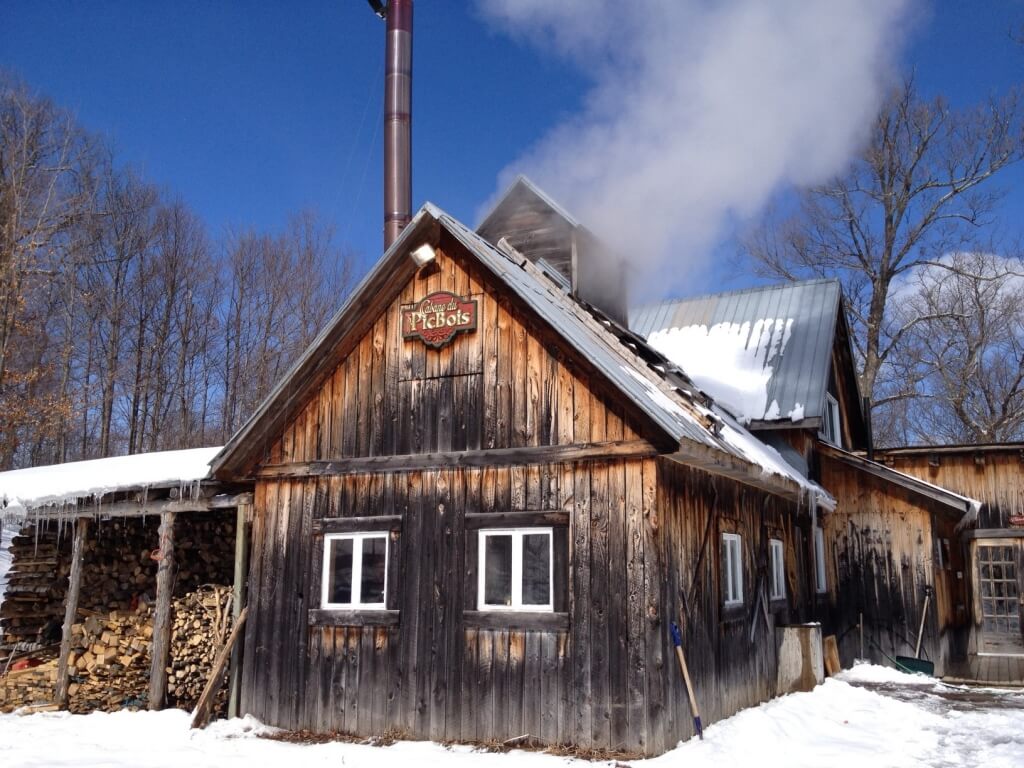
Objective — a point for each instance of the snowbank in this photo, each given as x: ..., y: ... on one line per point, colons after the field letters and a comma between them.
x: 878, y: 675
x: 837, y: 725
x: 21, y: 489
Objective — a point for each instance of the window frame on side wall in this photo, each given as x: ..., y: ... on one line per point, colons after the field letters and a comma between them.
x: 356, y: 602
x: 820, y: 572
x: 516, y: 604
x: 732, y: 570
x: 777, y: 558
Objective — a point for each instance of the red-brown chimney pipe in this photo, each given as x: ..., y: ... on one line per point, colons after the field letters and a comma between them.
x: 398, y: 120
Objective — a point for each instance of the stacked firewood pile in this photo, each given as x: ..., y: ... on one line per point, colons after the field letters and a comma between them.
x: 201, y: 624
x: 108, y: 666
x: 110, y: 658
x: 29, y: 685
x: 119, y: 570
x: 34, y: 603
x: 109, y: 661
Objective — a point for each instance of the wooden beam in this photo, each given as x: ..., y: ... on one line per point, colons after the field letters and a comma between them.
x: 147, y: 507
x: 328, y: 617
x: 718, y: 462
x: 71, y: 609
x: 543, y: 621
x: 352, y: 524
x: 239, y: 597
x: 516, y: 518
x: 551, y: 454
x: 162, y: 615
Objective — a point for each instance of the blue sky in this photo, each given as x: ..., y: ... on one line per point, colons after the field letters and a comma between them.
x: 249, y: 111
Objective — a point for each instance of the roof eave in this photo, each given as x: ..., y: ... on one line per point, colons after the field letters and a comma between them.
x: 964, y: 506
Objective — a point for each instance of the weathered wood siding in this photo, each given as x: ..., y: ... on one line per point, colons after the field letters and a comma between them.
x: 993, y: 477
x: 730, y: 651
x: 506, y: 385
x: 880, y: 554
x: 435, y: 674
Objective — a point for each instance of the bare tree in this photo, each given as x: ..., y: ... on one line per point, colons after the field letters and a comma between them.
x: 123, y: 327
x: 969, y: 355
x: 917, y: 191
x: 41, y: 197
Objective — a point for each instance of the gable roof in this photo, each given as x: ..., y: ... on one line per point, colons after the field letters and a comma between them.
x: 656, y: 387
x: 764, y: 352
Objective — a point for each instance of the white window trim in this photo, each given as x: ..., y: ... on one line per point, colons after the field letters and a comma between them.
x: 832, y: 408
x: 733, y: 566
x: 517, y: 569
x: 357, y: 569
x: 778, y: 561
x: 820, y: 577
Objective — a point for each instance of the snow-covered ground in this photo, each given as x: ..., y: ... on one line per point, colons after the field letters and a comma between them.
x: 897, y: 720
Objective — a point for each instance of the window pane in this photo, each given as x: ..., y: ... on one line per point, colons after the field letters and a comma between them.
x: 726, y: 571
x: 339, y: 573
x: 536, y: 569
x: 737, y: 572
x: 498, y: 570
x: 374, y: 570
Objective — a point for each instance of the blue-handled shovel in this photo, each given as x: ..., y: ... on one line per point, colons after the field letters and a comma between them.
x: 677, y: 640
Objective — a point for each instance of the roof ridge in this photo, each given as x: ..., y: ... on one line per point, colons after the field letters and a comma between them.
x: 739, y: 291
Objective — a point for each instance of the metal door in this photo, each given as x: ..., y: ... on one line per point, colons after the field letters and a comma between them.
x: 999, y: 586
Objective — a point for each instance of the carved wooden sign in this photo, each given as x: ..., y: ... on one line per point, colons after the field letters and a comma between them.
x: 435, y: 319
x: 1016, y: 521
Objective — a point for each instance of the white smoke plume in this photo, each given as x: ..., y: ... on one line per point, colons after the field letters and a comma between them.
x: 701, y: 110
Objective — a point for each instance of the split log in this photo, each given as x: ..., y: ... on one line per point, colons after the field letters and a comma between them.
x: 202, y: 713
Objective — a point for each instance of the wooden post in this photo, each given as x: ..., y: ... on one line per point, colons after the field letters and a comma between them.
x: 71, y: 609
x: 162, y: 617
x: 238, y: 602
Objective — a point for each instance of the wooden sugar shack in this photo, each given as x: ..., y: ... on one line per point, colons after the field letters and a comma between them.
x: 887, y: 544
x: 479, y: 502
x: 120, y: 586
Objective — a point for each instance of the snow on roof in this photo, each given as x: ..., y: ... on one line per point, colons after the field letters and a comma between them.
x: 764, y: 352
x: 56, y: 484
x: 736, y: 436
x: 730, y: 361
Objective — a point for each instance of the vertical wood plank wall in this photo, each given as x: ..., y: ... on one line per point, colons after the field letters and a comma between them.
x: 609, y: 681
x: 880, y: 555
x: 730, y: 668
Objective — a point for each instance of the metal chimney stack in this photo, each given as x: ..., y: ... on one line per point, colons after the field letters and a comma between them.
x: 398, y: 120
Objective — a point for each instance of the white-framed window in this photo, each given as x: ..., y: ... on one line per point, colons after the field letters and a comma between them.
x: 355, y: 570
x: 820, y: 584
x: 732, y: 569
x: 778, y: 563
x: 514, y: 569
x: 830, y: 427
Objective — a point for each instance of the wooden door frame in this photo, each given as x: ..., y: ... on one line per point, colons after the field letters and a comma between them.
x: 994, y: 538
